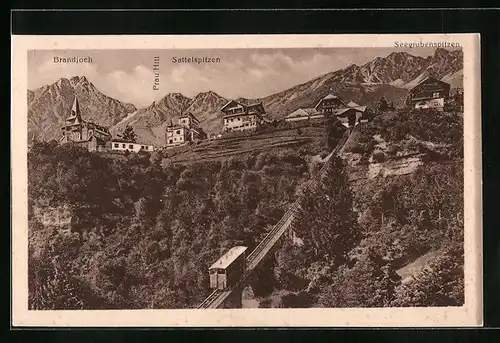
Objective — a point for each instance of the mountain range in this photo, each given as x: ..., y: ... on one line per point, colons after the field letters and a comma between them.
x: 48, y: 107
x: 388, y: 77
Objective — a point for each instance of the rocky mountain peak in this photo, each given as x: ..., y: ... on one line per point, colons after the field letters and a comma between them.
x: 49, y: 106
x: 441, y: 52
x: 78, y: 80
x: 387, y: 76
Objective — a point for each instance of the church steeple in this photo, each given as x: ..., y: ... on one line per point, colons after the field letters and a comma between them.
x: 75, y: 112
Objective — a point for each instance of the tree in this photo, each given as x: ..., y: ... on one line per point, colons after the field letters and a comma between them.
x: 203, y: 134
x: 325, y: 219
x: 439, y: 284
x: 383, y: 105
x: 370, y: 282
x: 129, y: 134
x: 53, y: 281
x: 334, y: 131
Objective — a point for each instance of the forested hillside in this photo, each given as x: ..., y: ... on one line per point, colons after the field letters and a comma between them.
x: 359, y: 236
x: 143, y: 233
x: 143, y: 236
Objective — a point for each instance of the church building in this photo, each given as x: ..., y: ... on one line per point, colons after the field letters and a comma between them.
x: 90, y: 135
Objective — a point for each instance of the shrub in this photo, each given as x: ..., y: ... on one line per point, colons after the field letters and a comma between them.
x: 300, y: 300
x: 369, y: 147
x: 392, y: 149
x: 379, y: 156
x: 323, y: 154
x: 356, y: 148
x: 265, y: 303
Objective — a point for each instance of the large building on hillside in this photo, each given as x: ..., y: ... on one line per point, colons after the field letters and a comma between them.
x: 186, y: 130
x: 238, y: 116
x: 349, y: 114
x: 429, y: 93
x: 92, y: 136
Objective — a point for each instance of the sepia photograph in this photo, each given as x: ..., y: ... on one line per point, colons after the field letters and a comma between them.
x: 311, y: 177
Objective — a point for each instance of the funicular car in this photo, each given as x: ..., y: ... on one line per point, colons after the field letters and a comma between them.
x: 228, y: 269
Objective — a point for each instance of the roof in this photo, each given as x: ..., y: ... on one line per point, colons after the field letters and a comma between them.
x: 230, y: 102
x: 432, y: 79
x: 302, y: 112
x: 352, y: 104
x: 189, y: 114
x: 298, y: 113
x: 225, y: 260
x: 343, y: 110
x: 75, y: 112
x: 330, y: 96
x: 310, y: 110
x: 245, y: 105
x: 255, y: 104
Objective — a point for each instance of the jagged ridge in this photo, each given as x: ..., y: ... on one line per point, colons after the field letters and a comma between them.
x: 388, y: 77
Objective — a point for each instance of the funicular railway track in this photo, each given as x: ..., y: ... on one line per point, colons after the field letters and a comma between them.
x: 217, y: 297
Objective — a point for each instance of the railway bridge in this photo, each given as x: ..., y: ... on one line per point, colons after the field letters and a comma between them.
x: 231, y: 297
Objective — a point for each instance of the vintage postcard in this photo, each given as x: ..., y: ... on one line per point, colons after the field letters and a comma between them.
x: 246, y: 180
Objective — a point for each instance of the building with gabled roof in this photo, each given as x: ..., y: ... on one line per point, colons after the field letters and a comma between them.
x: 429, y: 93
x: 88, y: 134
x: 329, y: 104
x: 238, y: 116
x: 349, y: 114
x: 186, y: 130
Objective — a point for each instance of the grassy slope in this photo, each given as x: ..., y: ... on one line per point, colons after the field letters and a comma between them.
x: 311, y: 139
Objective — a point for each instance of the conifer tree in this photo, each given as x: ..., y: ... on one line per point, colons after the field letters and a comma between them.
x: 383, y: 105
x: 129, y: 134
x: 325, y: 219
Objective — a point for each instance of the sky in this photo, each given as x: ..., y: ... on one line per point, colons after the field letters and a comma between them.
x: 128, y: 75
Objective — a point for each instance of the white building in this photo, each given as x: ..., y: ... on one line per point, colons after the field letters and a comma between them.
x: 186, y: 130
x: 119, y: 144
x: 240, y: 117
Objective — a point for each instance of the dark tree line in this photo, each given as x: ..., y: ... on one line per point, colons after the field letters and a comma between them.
x: 143, y: 235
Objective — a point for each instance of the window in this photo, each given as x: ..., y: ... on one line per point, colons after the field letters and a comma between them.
x: 435, y: 95
x: 130, y: 146
x: 123, y: 145
x: 142, y: 146
x: 116, y: 145
x: 170, y: 141
x: 178, y: 132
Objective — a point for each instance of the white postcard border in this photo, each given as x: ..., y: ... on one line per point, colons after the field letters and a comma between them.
x: 468, y: 315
